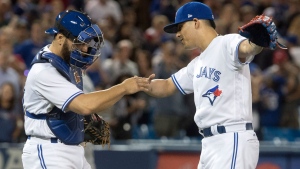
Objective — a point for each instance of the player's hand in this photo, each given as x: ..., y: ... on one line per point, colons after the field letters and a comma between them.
x: 261, y: 31
x: 136, y: 84
x: 150, y: 78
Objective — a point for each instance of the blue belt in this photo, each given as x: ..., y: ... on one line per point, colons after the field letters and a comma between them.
x: 36, y: 116
x: 52, y: 140
x: 221, y: 129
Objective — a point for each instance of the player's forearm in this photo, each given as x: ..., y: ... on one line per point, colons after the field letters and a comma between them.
x: 97, y: 101
x: 160, y: 88
x: 107, y: 98
x: 247, y: 49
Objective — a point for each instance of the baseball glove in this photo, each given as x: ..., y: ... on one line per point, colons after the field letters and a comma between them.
x: 96, y: 130
x: 261, y: 31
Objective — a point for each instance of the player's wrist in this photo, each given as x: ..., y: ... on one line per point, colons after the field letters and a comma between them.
x: 256, y: 48
x: 122, y: 87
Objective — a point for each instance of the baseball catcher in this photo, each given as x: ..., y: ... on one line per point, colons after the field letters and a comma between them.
x: 59, y: 116
x: 96, y: 130
x: 261, y: 31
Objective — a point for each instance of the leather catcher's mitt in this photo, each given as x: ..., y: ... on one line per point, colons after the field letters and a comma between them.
x: 96, y: 130
x: 261, y: 31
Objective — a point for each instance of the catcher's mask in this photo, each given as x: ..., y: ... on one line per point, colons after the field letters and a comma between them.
x: 87, y: 38
x: 86, y: 47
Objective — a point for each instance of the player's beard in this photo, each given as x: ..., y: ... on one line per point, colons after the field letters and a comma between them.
x: 66, y: 52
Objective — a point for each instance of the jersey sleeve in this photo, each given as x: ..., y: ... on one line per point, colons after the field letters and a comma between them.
x: 55, y: 88
x: 183, y: 79
x: 232, y: 43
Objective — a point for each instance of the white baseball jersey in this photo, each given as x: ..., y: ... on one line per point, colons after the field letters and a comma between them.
x: 222, y: 93
x: 220, y: 82
x: 45, y: 88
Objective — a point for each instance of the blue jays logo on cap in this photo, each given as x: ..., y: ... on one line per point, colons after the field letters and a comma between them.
x: 188, y: 12
x: 212, y: 94
x: 82, y: 24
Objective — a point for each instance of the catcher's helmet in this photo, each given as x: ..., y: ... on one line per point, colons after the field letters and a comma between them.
x: 70, y: 23
x: 78, y: 27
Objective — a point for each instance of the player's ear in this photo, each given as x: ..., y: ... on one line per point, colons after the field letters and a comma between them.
x: 196, y: 23
x: 60, y: 38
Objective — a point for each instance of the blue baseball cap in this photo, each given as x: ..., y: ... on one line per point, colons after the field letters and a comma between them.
x: 70, y: 23
x: 188, y: 12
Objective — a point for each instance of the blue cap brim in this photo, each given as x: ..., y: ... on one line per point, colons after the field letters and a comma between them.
x: 51, y: 31
x: 171, y: 28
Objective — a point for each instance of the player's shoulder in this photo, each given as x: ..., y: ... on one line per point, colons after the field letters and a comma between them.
x: 42, y: 69
x: 233, y: 36
x: 230, y: 39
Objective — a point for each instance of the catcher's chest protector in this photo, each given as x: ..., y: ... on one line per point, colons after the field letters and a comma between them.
x: 69, y: 126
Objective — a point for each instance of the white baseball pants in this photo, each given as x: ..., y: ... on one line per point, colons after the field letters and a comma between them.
x: 42, y: 154
x: 233, y: 150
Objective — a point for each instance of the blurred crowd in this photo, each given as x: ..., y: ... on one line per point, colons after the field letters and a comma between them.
x: 135, y: 44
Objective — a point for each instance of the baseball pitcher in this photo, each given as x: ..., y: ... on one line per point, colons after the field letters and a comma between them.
x: 220, y: 80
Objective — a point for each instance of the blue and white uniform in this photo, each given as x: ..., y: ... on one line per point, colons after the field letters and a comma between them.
x: 46, y: 88
x: 222, y: 92
x: 55, y: 133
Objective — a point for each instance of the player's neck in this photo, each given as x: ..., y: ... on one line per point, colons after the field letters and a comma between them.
x: 54, y: 49
x: 207, y: 37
